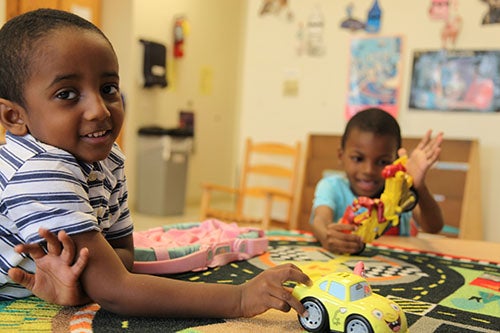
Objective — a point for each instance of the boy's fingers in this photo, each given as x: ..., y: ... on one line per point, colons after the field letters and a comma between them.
x: 297, y: 275
x: 81, y: 262
x: 34, y: 250
x: 19, y: 276
x: 284, y: 298
x: 53, y: 244
x: 68, y: 250
x: 341, y: 227
x: 291, y: 302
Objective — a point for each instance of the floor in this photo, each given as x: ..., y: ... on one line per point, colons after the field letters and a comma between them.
x: 191, y: 214
x: 144, y: 222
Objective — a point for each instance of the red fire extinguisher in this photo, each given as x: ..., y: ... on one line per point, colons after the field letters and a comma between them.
x: 179, y: 38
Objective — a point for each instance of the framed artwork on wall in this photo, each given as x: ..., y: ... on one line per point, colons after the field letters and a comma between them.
x: 374, y: 77
x: 457, y: 80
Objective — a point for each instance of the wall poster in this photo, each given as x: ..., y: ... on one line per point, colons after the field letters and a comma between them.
x: 457, y: 80
x: 374, y: 78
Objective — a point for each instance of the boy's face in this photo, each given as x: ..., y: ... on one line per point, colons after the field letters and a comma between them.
x: 364, y: 156
x: 72, y: 96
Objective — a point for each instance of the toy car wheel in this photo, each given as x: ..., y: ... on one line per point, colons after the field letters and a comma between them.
x: 358, y: 324
x: 317, y: 319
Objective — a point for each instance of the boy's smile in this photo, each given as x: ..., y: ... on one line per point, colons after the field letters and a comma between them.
x: 72, y: 95
x: 364, y: 156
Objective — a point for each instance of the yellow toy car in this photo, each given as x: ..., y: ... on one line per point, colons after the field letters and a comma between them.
x: 344, y: 302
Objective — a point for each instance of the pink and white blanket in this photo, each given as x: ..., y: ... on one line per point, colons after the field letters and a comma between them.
x: 195, y: 246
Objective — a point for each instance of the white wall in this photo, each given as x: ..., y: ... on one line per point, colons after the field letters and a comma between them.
x: 270, y: 57
x: 250, y: 57
x: 214, y: 43
x: 2, y: 10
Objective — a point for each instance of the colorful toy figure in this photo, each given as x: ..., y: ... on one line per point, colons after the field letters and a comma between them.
x: 374, y: 216
x: 344, y: 302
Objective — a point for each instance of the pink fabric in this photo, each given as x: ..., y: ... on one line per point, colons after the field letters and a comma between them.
x: 207, y: 233
x: 219, y: 245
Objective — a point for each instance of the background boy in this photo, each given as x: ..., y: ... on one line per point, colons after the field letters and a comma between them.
x: 372, y: 140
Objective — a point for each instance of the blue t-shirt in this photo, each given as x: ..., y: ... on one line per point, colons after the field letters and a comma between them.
x: 335, y: 192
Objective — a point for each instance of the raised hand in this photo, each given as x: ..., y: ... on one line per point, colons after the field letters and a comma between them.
x: 423, y: 157
x: 57, y: 272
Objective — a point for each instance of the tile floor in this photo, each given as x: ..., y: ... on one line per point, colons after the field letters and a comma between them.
x: 191, y: 214
x: 144, y: 221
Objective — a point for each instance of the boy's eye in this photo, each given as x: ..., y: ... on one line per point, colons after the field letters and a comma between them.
x: 110, y: 89
x: 384, y: 162
x: 66, y: 94
x: 356, y: 159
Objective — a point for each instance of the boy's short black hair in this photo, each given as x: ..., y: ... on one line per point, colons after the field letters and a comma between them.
x: 18, y: 46
x: 375, y: 121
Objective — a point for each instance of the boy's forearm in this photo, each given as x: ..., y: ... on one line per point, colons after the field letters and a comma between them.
x: 124, y: 248
x: 109, y: 284
x: 127, y: 258
x: 431, y: 217
x: 319, y: 231
x: 162, y: 297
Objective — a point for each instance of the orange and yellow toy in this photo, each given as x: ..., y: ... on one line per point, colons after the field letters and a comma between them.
x: 379, y: 214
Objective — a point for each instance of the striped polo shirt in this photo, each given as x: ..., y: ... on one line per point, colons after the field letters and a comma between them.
x: 44, y: 186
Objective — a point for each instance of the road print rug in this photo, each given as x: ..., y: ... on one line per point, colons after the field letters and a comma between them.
x: 438, y: 293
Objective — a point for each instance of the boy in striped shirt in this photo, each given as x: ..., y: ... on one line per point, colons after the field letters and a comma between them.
x: 60, y: 170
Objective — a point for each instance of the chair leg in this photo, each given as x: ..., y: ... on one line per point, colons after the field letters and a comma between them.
x: 205, y: 201
x: 266, y: 221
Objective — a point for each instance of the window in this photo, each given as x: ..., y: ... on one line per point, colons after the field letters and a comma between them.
x: 337, y: 290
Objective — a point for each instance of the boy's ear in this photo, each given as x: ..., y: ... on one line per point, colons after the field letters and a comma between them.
x: 340, y: 153
x: 12, y: 117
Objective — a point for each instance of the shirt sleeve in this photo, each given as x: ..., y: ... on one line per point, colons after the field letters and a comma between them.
x: 50, y: 193
x: 120, y: 220
x: 323, y: 194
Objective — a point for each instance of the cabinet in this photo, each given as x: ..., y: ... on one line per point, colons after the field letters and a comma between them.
x: 455, y: 180
x: 88, y: 9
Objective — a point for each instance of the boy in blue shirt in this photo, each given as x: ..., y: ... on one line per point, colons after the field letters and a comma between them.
x: 372, y: 140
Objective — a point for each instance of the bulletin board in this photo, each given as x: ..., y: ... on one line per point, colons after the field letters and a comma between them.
x: 375, y: 77
x: 457, y: 80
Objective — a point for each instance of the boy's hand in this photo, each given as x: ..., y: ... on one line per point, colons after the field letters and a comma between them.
x: 340, y: 239
x: 57, y: 278
x: 266, y: 291
x: 423, y: 157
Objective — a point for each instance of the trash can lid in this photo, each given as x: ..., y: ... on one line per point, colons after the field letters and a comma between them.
x: 158, y: 131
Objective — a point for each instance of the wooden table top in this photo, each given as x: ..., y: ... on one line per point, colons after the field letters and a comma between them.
x: 482, y: 250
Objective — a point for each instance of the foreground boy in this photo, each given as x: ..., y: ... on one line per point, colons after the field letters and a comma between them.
x: 60, y: 170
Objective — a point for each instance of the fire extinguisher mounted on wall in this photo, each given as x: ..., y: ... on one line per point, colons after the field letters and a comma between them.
x: 180, y: 32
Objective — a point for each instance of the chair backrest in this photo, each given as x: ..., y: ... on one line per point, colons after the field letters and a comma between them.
x: 454, y: 181
x: 2, y: 135
x: 270, y: 167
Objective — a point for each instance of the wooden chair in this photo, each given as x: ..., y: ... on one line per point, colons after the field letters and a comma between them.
x: 455, y: 181
x: 269, y: 173
x: 2, y: 135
